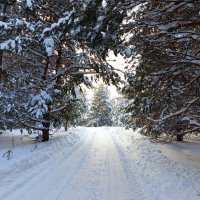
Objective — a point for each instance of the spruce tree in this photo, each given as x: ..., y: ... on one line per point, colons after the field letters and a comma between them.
x: 100, y: 111
x: 119, y: 116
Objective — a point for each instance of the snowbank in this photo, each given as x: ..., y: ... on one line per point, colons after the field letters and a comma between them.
x: 26, y: 152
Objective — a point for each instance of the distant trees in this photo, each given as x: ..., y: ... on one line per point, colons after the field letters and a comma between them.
x: 100, y: 110
x: 163, y: 86
x: 119, y: 117
x: 75, y: 113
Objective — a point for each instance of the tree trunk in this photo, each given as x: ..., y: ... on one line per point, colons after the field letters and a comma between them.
x: 58, y: 65
x: 46, y: 125
x: 179, y: 137
x: 44, y: 77
x: 45, y: 135
x: 3, y: 19
x: 66, y: 127
x: 1, y: 62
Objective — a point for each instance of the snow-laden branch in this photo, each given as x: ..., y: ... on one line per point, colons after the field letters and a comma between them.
x: 192, y: 121
x: 190, y: 103
x: 61, y: 21
x: 58, y: 109
x: 32, y: 126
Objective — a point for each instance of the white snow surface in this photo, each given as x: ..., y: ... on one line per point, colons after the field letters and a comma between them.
x: 104, y: 163
x: 186, y: 152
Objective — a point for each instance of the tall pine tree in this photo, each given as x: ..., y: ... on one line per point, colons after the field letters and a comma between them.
x: 100, y: 111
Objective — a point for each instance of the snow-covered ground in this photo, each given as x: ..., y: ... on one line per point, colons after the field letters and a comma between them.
x: 93, y: 164
x: 186, y: 152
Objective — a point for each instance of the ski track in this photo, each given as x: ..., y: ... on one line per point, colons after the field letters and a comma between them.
x: 107, y: 164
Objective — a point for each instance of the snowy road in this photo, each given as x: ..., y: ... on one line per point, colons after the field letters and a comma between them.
x: 107, y: 164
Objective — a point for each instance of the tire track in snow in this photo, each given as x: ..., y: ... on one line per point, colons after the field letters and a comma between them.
x: 40, y: 172
x: 61, y: 195
x: 119, y: 188
x: 131, y: 170
x: 108, y: 165
x: 87, y: 182
x: 101, y: 176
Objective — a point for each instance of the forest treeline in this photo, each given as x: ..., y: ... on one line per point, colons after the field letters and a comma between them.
x: 49, y: 49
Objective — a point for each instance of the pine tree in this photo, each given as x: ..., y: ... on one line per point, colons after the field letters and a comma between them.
x: 75, y: 113
x: 100, y: 111
x: 119, y: 117
x: 82, y: 110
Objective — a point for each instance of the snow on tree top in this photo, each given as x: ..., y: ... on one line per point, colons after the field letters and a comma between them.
x: 49, y: 45
x: 39, y: 104
x: 75, y: 31
x: 128, y: 52
x: 29, y: 4
x: 42, y: 96
x: 4, y: 25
